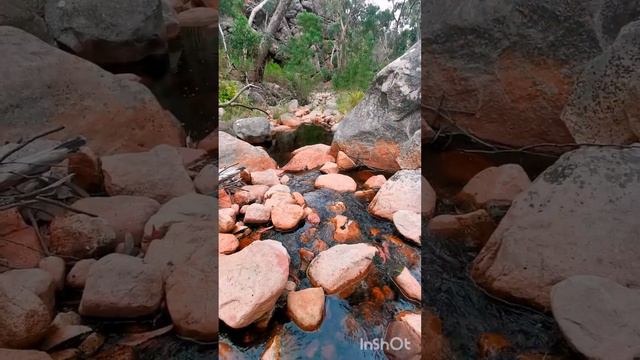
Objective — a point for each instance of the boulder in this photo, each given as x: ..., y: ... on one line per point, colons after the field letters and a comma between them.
x: 25, y: 317
x: 374, y: 183
x: 599, y: 317
x: 286, y: 217
x: 531, y: 250
x: 251, y: 280
x: 20, y: 241
x: 401, y: 192
x: 114, y: 114
x: 306, y: 307
x: 206, y: 182
x: 374, y: 132
x: 81, y: 236
x: 344, y: 162
x: 341, y: 267
x: 157, y: 174
x: 190, y: 207
x: 408, y: 223
x: 256, y: 130
x: 37, y: 281
x: 338, y: 182
x: 105, y: 32
x: 234, y: 151
x: 309, y: 157
x: 124, y: 213
x: 507, y: 69
x: 495, y: 185
x: 603, y: 107
x: 25, y: 15
x: 121, y: 286
x: 329, y: 168
x: 198, y: 17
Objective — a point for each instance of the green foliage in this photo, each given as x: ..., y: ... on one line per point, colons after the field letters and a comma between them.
x: 302, y: 68
x: 275, y: 73
x: 227, y: 89
x: 243, y: 44
x: 231, y: 8
x: 347, y: 100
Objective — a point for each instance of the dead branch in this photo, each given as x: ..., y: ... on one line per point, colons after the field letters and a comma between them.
x: 24, y: 144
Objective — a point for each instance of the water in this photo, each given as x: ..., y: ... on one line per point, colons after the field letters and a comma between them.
x: 284, y: 143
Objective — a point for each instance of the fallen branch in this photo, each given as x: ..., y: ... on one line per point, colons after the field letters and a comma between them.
x: 24, y: 144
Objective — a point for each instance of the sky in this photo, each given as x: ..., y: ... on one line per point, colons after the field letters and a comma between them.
x: 383, y: 4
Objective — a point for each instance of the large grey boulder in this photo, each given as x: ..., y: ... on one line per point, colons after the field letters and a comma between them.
x: 580, y: 217
x: 504, y: 69
x: 598, y: 317
x: 377, y: 130
x: 44, y: 87
x: 25, y: 15
x: 255, y: 130
x: 605, y: 105
x: 108, y: 31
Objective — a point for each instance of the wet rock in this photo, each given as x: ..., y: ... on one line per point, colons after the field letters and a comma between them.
x: 344, y: 162
x: 267, y: 177
x: 273, y: 348
x: 599, y: 317
x: 254, y: 130
x: 365, y: 195
x: 115, y: 115
x: 408, y: 224
x: 56, y: 268
x: 400, y: 192
x: 25, y: 317
x: 238, y: 152
x: 306, y: 307
x: 338, y: 182
x: 346, y: 230
x: 121, y: 286
x: 124, y: 213
x: 37, y: 281
x: 495, y: 185
x: 190, y: 207
x: 286, y: 217
x: 228, y: 243
x: 157, y: 174
x: 19, y: 240
x: 257, y: 214
x: 482, y: 79
x: 374, y: 183
x: 435, y: 346
x: 191, y: 298
x: 341, y: 267
x: 81, y: 236
x: 180, y: 244
x: 91, y: 344
x: 251, y: 281
x: 77, y: 276
x: 404, y: 337
x: 376, y: 129
x: 24, y: 354
x: 309, y: 157
x: 409, y: 285
x: 206, y: 182
x: 329, y: 168
x: 135, y: 29
x: 491, y: 344
x: 475, y: 227
x: 531, y: 250
x: 603, y: 107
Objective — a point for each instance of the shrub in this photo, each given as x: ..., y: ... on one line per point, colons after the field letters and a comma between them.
x: 347, y: 100
x: 275, y: 74
x: 227, y: 89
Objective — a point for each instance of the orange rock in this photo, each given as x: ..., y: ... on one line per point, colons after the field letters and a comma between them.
x: 224, y: 200
x: 309, y: 157
x: 491, y: 344
x: 21, y: 247
x: 374, y: 182
x: 337, y: 208
x: 286, y: 217
x: 344, y: 162
x: 85, y: 164
x: 345, y: 229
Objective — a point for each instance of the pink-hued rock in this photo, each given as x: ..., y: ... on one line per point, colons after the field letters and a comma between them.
x: 401, y: 192
x: 206, y: 182
x: 329, y: 168
x: 56, y: 267
x: 267, y: 177
x: 37, y: 281
x: 12, y: 354
x: 19, y: 240
x: 299, y: 199
x: 234, y: 151
x: 157, y: 174
x: 210, y: 142
x: 190, y: 207
x: 226, y: 220
x: 191, y: 297
x: 251, y: 281
x: 279, y: 199
x: 256, y: 192
x: 495, y: 185
x: 277, y: 188
x: 346, y: 230
x: 375, y: 182
x: 121, y: 286
x: 408, y: 224
x: 309, y: 157
x: 59, y: 333
x: 306, y: 307
x: 191, y: 156
x: 475, y: 227
x: 429, y: 199
x: 286, y: 217
x: 409, y: 285
x: 338, y: 182
x: 257, y: 214
x: 344, y: 162
x: 77, y: 276
x: 341, y: 266
x: 25, y: 317
x: 124, y: 213
x: 228, y: 243
x: 81, y: 236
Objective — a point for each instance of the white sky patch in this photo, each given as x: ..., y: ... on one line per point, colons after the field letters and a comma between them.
x: 382, y: 4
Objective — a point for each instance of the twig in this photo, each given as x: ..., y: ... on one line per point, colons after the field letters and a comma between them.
x: 64, y: 206
x: 42, y: 190
x: 247, y: 107
x: 36, y: 228
x: 21, y: 146
x: 245, y: 88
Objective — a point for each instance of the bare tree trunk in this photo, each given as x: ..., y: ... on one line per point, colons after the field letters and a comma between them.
x: 255, y: 11
x: 265, y: 44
